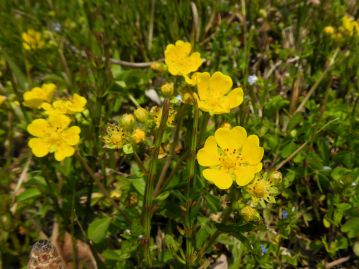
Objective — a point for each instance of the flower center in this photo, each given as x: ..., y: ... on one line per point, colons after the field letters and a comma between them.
x: 259, y: 189
x: 230, y: 159
x: 116, y: 138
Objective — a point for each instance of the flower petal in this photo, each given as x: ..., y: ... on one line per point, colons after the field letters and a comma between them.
x: 39, y: 128
x: 39, y: 147
x: 251, y: 152
x: 245, y: 174
x: 220, y: 178
x: 220, y: 84
x: 235, y: 97
x: 71, y: 135
x: 63, y: 151
x: 203, y: 85
x: 208, y: 155
x: 59, y: 121
x: 230, y: 138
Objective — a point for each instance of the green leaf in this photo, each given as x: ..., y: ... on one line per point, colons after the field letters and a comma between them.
x: 28, y: 194
x: 235, y: 230
x: 98, y: 228
x: 351, y: 227
x: 139, y: 185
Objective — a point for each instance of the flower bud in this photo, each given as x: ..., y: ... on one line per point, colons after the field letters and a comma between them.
x: 275, y: 177
x: 141, y: 114
x: 159, y: 67
x: 127, y: 120
x: 167, y: 89
x: 249, y: 213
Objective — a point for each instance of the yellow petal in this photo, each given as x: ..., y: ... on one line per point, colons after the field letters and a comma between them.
x: 220, y: 84
x: 63, y: 151
x: 77, y: 104
x: 230, y: 138
x: 220, y: 178
x: 245, y: 174
x: 251, y: 152
x: 39, y: 147
x: 252, y: 155
x: 203, y: 85
x: 183, y: 48
x: 194, y: 61
x: 208, y: 155
x: 59, y: 121
x: 235, y: 97
x: 71, y: 135
x: 39, y: 128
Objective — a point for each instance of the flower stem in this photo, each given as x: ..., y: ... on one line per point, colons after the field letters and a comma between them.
x: 190, y: 171
x: 147, y: 210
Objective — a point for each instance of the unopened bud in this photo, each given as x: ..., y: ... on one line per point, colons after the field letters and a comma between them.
x: 141, y: 114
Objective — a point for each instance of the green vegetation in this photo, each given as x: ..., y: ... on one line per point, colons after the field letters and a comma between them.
x: 129, y: 190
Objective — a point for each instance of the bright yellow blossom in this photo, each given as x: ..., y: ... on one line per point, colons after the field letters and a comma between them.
x: 53, y: 135
x: 231, y: 156
x: 32, y: 40
x: 261, y: 191
x: 138, y: 135
x: 75, y: 104
x: 329, y: 30
x: 249, y: 213
x: 2, y: 99
x: 179, y: 59
x: 37, y: 96
x: 115, y: 137
x: 350, y: 26
x: 215, y: 95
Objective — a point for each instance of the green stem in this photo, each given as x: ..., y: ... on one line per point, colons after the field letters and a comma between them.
x: 147, y: 210
x: 190, y: 171
x: 171, y: 152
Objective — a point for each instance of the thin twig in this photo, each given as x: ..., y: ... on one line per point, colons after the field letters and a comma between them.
x: 337, y: 262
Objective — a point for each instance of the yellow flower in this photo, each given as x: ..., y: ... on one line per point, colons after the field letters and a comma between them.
x: 53, y: 135
x: 73, y: 105
x: 329, y: 30
x: 32, y: 40
x: 215, y: 95
x: 115, y: 137
x: 261, y: 190
x: 231, y: 156
x: 249, y: 213
x: 138, y: 135
x: 2, y: 99
x: 37, y: 96
x: 350, y: 25
x: 179, y: 59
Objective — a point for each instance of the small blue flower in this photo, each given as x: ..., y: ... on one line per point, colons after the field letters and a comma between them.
x: 264, y: 249
x: 284, y: 214
x: 252, y: 79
